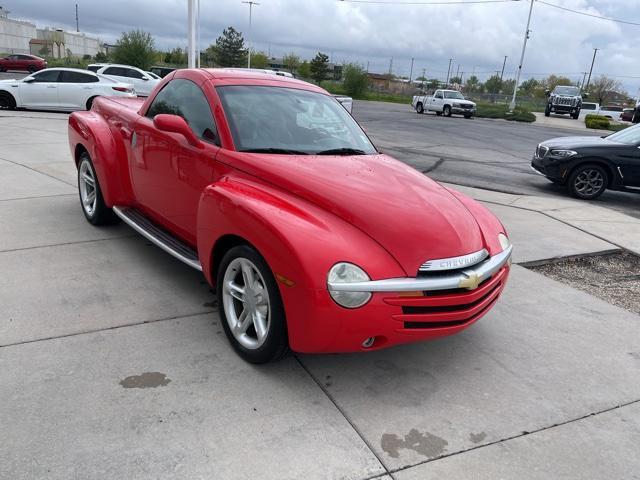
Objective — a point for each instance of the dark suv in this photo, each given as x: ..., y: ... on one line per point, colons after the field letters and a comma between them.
x: 24, y: 63
x: 564, y: 99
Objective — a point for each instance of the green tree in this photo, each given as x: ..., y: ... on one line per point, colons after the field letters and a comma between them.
x: 177, y: 56
x: 319, y: 67
x: 552, y: 81
x: 433, y: 84
x: 229, y: 50
x: 472, y: 84
x: 304, y: 70
x: 135, y: 48
x: 493, y: 84
x: 528, y: 87
x: 101, y: 57
x: 355, y: 81
x: 259, y: 60
x: 457, y: 80
x: 291, y: 62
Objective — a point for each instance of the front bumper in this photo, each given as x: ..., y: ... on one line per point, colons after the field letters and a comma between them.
x: 550, y: 167
x: 564, y: 108
x: 463, y: 111
x: 401, y: 310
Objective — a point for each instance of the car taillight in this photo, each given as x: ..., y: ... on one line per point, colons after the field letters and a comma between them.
x: 123, y: 89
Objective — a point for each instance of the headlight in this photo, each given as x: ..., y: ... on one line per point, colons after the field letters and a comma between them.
x: 562, y: 153
x: 455, y: 104
x: 504, y: 241
x: 348, y: 273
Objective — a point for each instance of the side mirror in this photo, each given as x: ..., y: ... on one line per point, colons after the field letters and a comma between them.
x: 176, y: 124
x: 145, y: 79
x: 28, y: 80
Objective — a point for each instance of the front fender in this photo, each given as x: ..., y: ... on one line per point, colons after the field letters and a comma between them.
x: 299, y: 241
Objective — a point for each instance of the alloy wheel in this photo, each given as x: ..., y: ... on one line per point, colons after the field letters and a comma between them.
x: 246, y: 304
x: 87, y: 185
x: 589, y: 182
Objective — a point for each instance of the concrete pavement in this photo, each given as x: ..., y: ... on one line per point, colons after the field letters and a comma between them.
x: 113, y: 363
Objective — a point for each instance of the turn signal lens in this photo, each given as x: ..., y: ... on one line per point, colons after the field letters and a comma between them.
x: 344, y: 272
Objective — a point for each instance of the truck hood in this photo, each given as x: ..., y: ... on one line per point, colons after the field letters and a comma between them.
x: 408, y: 214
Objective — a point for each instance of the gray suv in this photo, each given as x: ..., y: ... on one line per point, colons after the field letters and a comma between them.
x: 564, y: 99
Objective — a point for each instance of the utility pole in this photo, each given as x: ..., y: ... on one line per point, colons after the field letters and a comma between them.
x: 251, y: 3
x: 198, y: 33
x: 584, y: 78
x: 191, y: 36
x: 449, y: 70
x: 595, y: 50
x: 512, y: 105
x: 390, y: 66
x: 503, y: 65
x: 367, y: 66
x: 411, y: 71
x: 77, y: 23
x: 458, y: 71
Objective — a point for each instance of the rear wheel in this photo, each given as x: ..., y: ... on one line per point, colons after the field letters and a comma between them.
x: 7, y: 101
x: 93, y: 207
x: 446, y: 111
x: 467, y: 115
x: 251, y: 312
x: 588, y: 182
x: 419, y: 108
x: 90, y: 102
x: 31, y: 68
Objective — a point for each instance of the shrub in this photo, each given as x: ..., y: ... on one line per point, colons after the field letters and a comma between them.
x: 597, y: 121
x: 495, y: 110
x: 355, y: 81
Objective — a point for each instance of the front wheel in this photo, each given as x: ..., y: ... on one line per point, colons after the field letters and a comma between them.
x: 588, y: 182
x: 419, y: 108
x: 446, y: 111
x: 467, y: 115
x: 93, y: 207
x: 31, y: 68
x: 252, y: 312
x: 7, y: 101
x: 547, y: 111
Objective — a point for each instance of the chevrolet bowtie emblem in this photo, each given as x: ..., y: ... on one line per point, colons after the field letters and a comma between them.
x: 471, y: 282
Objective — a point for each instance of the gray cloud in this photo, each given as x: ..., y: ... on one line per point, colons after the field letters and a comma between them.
x: 476, y: 36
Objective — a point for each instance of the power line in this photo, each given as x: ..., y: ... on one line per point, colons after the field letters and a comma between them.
x: 592, y: 15
x: 453, y: 2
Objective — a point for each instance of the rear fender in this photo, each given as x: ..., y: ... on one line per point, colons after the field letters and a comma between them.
x: 91, y: 132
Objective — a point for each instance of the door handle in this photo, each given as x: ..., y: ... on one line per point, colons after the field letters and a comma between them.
x: 51, y: 86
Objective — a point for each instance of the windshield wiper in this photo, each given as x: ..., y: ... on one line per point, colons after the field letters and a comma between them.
x: 342, y: 151
x: 284, y: 151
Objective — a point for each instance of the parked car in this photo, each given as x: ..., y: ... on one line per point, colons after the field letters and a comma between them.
x: 94, y: 67
x: 347, y: 102
x: 627, y: 114
x: 65, y: 89
x: 587, y: 166
x: 444, y: 102
x: 162, y: 71
x: 153, y: 75
x: 313, y: 239
x: 589, y: 108
x: 611, y: 111
x: 141, y: 80
x: 564, y: 99
x: 22, y: 63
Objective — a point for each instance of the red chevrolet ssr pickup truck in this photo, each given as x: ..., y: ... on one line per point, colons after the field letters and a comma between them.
x: 314, y: 240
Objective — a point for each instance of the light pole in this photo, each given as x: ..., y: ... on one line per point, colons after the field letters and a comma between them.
x: 411, y: 71
x: 251, y: 3
x: 595, y: 50
x: 512, y: 105
x: 503, y: 65
x: 449, y: 71
x: 191, y: 34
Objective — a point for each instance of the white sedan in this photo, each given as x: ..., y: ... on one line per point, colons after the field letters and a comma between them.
x: 142, y: 81
x: 65, y: 89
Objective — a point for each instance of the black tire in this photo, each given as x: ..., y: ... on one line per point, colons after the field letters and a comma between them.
x: 2, y: 69
x: 467, y: 115
x: 275, y: 345
x: 575, y: 115
x: 90, y: 103
x: 588, y: 181
x: 7, y: 101
x: 547, y: 111
x: 439, y: 114
x: 31, y: 68
x: 419, y: 108
x: 446, y: 111
x: 98, y: 214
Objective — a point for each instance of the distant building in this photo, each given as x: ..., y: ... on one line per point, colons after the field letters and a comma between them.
x: 389, y: 84
x: 18, y: 36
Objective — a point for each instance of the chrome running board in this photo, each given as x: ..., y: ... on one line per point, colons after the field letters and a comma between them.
x: 159, y: 237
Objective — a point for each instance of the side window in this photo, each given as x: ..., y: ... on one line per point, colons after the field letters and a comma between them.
x: 114, y: 71
x: 131, y: 73
x: 47, y: 76
x: 94, y: 68
x: 24, y: 57
x: 76, y: 77
x: 184, y: 98
x: 439, y: 95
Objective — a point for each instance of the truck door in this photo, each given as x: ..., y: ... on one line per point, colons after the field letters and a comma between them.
x: 168, y: 174
x: 437, y: 101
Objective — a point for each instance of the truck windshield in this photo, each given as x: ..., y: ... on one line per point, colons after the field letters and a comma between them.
x: 567, y: 91
x: 290, y: 121
x: 457, y: 95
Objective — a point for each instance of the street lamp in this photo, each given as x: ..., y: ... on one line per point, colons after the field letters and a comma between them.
x: 251, y: 3
x: 512, y: 105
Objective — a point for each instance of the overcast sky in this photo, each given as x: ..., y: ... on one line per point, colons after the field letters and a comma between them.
x: 476, y: 36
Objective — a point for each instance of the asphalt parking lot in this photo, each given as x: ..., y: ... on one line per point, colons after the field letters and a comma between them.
x: 489, y: 154
x: 113, y: 363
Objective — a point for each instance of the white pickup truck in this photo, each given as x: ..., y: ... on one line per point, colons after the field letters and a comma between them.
x: 444, y: 102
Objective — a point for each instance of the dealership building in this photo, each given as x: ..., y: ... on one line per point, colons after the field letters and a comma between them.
x: 19, y: 36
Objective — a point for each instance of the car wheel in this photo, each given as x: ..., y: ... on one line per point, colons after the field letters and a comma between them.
x: 93, y: 207
x: 467, y: 116
x: 90, y: 102
x: 575, y: 115
x: 588, y: 182
x: 251, y: 308
x: 419, y: 108
x: 7, y: 101
x: 446, y: 111
x: 2, y: 69
x: 547, y: 111
x: 439, y: 114
x: 31, y: 68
